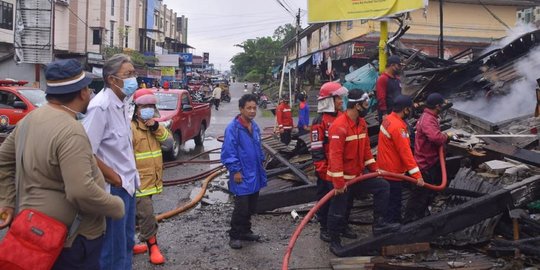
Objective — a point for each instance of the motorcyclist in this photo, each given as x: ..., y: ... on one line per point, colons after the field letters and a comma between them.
x: 245, y: 87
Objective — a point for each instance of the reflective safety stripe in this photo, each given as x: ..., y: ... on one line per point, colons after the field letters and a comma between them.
x: 334, y: 174
x: 316, y: 145
x: 349, y: 177
x: 164, y: 136
x: 287, y: 127
x: 286, y: 110
x: 369, y: 161
x: 385, y: 132
x: 149, y: 191
x: 414, y: 170
x: 335, y: 137
x: 355, y: 137
x: 145, y: 155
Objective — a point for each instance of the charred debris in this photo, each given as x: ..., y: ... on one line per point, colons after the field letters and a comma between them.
x: 492, y: 203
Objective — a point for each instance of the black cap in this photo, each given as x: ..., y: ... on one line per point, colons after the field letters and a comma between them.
x: 434, y: 99
x: 394, y: 59
x: 65, y: 76
x: 401, y: 102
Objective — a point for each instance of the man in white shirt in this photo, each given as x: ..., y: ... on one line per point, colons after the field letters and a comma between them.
x: 108, y: 125
x: 216, y: 94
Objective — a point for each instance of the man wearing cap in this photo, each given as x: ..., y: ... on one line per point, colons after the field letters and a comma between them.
x: 394, y: 153
x: 149, y: 137
x: 388, y: 86
x: 349, y: 155
x: 59, y: 175
x: 284, y: 120
x: 428, y: 140
x: 108, y: 124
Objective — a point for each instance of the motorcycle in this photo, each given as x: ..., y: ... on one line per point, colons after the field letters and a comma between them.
x: 225, y: 97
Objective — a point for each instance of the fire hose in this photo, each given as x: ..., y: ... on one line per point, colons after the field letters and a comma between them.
x: 195, y: 200
x: 330, y: 194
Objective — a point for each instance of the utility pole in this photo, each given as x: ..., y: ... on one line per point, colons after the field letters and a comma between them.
x: 441, y: 26
x: 296, y: 86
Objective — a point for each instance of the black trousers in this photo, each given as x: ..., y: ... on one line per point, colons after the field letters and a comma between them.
x: 340, y: 205
x: 216, y: 103
x: 285, y: 137
x: 393, y: 214
x: 417, y: 205
x: 323, y: 187
x: 244, y: 207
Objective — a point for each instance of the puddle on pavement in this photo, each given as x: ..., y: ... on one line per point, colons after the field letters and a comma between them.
x: 189, y: 149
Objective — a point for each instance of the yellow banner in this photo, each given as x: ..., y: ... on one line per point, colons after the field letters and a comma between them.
x: 167, y: 71
x: 345, y: 10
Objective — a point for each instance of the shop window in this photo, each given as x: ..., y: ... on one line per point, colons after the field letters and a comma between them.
x: 96, y: 36
x: 6, y: 15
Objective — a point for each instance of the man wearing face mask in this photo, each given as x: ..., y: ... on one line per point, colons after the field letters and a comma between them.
x: 394, y: 153
x: 108, y: 125
x: 349, y: 155
x: 429, y: 139
x: 149, y: 138
x: 59, y: 175
x: 388, y: 86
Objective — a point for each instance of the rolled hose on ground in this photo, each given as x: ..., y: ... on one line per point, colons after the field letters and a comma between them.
x: 330, y: 194
x: 193, y: 202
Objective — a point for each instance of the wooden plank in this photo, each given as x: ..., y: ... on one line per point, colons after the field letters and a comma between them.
x: 405, y: 249
x: 292, y: 196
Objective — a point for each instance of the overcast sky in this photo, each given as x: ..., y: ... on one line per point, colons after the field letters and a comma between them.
x: 214, y: 26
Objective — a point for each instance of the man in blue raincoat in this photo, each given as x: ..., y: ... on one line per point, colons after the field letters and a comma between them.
x: 243, y: 156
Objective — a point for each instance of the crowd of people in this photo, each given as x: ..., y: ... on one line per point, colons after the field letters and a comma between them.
x: 94, y: 164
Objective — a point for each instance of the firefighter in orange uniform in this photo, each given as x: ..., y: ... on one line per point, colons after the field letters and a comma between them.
x: 329, y: 106
x: 284, y: 120
x: 349, y: 155
x: 395, y: 155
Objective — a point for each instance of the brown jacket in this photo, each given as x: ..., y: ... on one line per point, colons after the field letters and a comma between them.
x: 60, y: 176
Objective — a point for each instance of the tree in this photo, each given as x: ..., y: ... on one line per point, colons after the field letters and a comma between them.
x: 261, y: 53
x: 284, y: 33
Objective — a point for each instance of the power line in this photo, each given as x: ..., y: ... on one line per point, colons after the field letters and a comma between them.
x: 267, y: 23
x: 284, y: 7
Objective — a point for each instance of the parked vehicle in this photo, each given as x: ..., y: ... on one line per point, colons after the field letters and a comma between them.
x: 17, y: 100
x: 185, y: 118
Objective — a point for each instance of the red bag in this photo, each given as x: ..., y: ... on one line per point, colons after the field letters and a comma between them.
x: 33, y: 242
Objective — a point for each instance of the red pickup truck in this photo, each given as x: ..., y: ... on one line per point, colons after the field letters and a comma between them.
x: 186, y: 119
x: 17, y: 100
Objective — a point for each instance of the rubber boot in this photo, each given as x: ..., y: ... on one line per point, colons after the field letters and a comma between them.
x: 335, y: 243
x: 140, y: 249
x: 155, y: 254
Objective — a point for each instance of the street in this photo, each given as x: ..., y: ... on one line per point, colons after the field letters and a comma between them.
x: 198, y: 239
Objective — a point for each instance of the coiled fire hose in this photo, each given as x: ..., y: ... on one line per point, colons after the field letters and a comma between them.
x: 329, y: 195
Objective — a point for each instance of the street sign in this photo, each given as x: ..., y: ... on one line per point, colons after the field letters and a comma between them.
x: 344, y: 10
x: 33, y: 31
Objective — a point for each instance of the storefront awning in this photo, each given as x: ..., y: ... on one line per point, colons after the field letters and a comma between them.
x: 292, y: 64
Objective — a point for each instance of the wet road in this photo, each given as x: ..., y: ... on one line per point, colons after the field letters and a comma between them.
x: 198, y: 239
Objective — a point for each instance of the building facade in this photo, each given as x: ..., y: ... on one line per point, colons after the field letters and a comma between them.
x: 467, y: 24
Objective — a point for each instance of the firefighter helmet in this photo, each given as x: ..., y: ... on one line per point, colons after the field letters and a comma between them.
x: 144, y: 97
x: 331, y: 89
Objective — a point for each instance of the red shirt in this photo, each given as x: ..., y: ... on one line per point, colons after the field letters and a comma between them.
x: 394, y: 152
x: 284, y: 116
x: 428, y: 139
x: 349, y: 151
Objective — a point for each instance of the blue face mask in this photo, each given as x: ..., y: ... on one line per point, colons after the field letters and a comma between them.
x: 147, y: 113
x: 130, y: 85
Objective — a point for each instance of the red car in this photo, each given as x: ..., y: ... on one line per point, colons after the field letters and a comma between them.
x: 17, y: 100
x: 186, y: 119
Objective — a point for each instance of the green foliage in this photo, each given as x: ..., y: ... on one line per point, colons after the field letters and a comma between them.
x: 253, y: 76
x: 261, y: 54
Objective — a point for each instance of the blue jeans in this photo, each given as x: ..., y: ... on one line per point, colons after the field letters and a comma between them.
x: 82, y: 255
x: 119, y: 238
